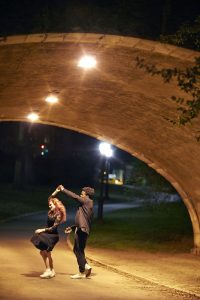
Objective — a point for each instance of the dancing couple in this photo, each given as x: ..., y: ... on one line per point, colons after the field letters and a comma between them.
x: 46, y: 238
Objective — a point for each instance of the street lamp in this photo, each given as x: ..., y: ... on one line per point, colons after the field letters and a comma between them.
x: 105, y: 149
x: 87, y: 62
x: 51, y: 99
x: 33, y: 117
x: 106, y: 152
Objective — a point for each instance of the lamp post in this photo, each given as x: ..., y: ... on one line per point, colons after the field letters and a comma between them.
x: 106, y: 152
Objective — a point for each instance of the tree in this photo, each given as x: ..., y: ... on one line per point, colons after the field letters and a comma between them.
x: 187, y: 36
x: 188, y: 79
x: 143, y: 175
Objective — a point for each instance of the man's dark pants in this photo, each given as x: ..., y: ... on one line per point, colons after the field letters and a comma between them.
x: 80, y: 240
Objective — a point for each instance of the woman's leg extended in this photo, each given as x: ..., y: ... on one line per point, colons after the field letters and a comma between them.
x: 52, y: 272
x: 48, y: 253
x: 49, y: 273
x: 43, y: 253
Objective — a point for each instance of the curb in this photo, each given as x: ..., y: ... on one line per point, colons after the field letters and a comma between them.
x: 148, y: 282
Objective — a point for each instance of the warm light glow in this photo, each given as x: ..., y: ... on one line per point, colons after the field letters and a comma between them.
x: 119, y: 182
x: 51, y: 99
x: 33, y: 117
x: 105, y: 149
x: 87, y: 62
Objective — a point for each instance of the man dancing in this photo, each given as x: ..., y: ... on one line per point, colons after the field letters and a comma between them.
x: 82, y: 226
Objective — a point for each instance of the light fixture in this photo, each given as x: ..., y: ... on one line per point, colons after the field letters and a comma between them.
x: 87, y: 62
x: 105, y: 149
x: 51, y: 99
x: 33, y: 117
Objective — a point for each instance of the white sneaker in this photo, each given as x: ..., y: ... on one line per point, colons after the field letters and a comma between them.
x: 52, y: 274
x: 46, y: 274
x: 78, y: 276
x: 88, y: 270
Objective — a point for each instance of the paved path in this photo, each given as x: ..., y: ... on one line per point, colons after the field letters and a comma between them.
x: 116, y: 274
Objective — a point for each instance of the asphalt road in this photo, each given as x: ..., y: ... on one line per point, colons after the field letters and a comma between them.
x: 21, y: 266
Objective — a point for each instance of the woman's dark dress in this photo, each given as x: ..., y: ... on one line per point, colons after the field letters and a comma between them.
x: 48, y: 239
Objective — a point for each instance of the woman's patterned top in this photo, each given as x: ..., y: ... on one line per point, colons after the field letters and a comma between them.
x: 53, y: 221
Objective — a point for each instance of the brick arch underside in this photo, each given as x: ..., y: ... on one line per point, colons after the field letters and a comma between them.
x: 116, y: 101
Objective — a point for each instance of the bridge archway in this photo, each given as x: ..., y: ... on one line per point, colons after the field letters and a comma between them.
x: 116, y: 101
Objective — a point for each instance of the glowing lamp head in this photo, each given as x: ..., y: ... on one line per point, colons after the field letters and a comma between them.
x: 87, y: 62
x: 105, y: 149
x: 33, y: 117
x: 51, y: 99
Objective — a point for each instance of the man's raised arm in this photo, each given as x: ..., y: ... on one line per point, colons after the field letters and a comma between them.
x: 70, y: 194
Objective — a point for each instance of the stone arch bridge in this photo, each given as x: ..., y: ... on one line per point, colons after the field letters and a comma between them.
x: 115, y: 101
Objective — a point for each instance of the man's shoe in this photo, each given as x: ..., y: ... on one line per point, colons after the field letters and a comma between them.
x: 46, y: 274
x: 78, y: 276
x: 88, y: 270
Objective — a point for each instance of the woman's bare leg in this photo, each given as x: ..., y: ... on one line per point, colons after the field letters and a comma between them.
x: 44, y: 256
x: 48, y: 253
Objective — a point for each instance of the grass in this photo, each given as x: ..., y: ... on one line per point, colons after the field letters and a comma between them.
x: 29, y: 200
x: 166, y: 227
x: 14, y: 203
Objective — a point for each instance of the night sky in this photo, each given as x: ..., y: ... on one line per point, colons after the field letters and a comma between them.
x: 143, y: 18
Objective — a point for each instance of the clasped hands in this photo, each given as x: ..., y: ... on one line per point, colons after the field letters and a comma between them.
x: 60, y: 187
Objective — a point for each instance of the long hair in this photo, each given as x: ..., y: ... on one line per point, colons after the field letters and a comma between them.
x: 59, y: 208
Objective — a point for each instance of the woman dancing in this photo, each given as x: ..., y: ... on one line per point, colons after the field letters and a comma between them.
x: 46, y: 238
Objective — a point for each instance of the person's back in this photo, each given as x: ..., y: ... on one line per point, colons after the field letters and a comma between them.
x: 84, y: 215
